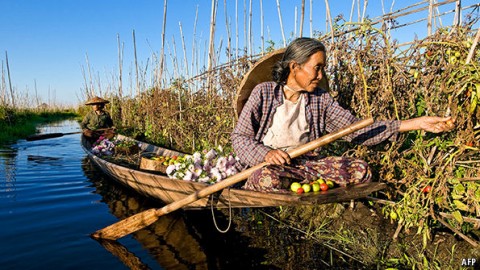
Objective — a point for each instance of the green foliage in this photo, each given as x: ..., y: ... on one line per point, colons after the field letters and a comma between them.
x: 371, y: 77
x: 19, y: 123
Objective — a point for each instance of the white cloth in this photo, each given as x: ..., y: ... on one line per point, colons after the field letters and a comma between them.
x: 289, y: 126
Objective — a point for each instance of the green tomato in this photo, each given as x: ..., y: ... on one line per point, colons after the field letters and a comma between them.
x: 295, y: 186
x: 306, y: 188
x: 330, y: 184
x: 315, y: 187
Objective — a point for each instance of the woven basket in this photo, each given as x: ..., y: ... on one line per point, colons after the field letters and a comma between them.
x: 148, y: 164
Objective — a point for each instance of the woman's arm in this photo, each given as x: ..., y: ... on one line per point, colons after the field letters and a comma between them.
x: 433, y: 124
x: 249, y: 150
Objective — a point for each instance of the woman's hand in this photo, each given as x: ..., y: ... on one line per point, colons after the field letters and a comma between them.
x: 87, y: 132
x: 432, y: 124
x: 437, y: 124
x: 277, y: 157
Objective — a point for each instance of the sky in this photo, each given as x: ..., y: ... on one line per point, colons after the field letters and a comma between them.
x: 53, y: 47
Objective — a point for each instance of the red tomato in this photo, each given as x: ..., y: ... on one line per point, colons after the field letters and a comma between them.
x: 300, y: 190
x: 427, y: 189
x: 323, y: 187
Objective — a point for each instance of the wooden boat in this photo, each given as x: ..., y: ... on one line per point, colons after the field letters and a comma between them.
x: 161, y: 187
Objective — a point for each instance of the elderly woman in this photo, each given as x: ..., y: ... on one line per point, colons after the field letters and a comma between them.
x: 98, y: 121
x: 292, y: 110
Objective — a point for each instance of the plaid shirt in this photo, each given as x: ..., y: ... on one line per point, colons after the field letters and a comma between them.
x: 323, y: 114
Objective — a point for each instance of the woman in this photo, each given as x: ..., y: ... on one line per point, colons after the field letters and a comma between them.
x: 292, y: 110
x: 98, y: 121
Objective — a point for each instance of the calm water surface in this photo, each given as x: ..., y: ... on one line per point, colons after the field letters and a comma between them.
x: 52, y: 199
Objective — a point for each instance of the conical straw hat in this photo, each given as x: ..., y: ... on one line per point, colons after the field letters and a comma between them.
x: 97, y: 100
x: 262, y: 72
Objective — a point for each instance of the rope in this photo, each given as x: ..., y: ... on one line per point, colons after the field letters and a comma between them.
x: 229, y: 214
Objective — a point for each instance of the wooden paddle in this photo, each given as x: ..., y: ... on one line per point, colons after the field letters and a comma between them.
x: 38, y: 137
x: 145, y: 218
x: 49, y: 136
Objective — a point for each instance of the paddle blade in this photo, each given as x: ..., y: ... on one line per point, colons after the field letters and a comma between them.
x: 127, y: 226
x: 44, y: 136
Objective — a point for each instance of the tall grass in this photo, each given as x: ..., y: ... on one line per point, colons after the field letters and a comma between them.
x: 19, y: 123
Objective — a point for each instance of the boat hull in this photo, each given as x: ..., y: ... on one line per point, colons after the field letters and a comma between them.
x: 159, y: 186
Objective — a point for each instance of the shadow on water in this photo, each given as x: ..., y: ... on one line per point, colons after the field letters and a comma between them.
x: 190, y: 240
x: 180, y: 240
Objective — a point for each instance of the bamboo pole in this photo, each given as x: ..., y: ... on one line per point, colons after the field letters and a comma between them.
x: 302, y: 18
x: 229, y: 38
x: 245, y: 43
x: 137, y: 79
x: 281, y: 24
x: 352, y: 9
x: 332, y: 31
x: 459, y: 233
x: 90, y: 89
x: 475, y: 221
x: 472, y: 49
x: 262, y: 37
x: 437, y: 11
x: 250, y: 31
x: 311, y: 18
x: 12, y: 96
x: 458, y: 13
x: 176, y: 69
x: 162, y: 52
x: 365, y: 4
x: 185, y: 59
x: 36, y: 93
x: 358, y: 11
x: 194, y: 47
x: 236, y: 29
x: 429, y: 22
x: 211, y: 48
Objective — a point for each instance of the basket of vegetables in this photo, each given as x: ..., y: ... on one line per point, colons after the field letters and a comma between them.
x: 126, y: 147
x: 155, y: 162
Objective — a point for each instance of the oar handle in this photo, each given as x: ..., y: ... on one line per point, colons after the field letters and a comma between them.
x: 246, y: 173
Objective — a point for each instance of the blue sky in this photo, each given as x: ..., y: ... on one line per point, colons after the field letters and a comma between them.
x: 48, y: 41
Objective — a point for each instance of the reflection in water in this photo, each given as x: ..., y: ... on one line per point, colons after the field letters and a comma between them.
x: 180, y: 240
x: 189, y: 240
x: 8, y: 170
x: 52, y: 161
x: 123, y: 254
x: 168, y: 240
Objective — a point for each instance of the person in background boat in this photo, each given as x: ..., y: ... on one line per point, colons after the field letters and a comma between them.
x: 292, y: 110
x: 98, y: 121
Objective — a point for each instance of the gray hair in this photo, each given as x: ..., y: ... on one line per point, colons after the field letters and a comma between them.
x: 299, y: 51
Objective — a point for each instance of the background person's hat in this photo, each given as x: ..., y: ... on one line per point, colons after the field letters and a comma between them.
x: 262, y: 72
x: 97, y: 100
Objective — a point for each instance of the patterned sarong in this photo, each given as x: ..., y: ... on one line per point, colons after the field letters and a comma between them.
x: 341, y: 170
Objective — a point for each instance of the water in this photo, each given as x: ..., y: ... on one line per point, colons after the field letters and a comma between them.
x: 52, y: 199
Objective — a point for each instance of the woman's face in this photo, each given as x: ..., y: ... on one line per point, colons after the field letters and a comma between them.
x: 308, y: 75
x: 97, y: 107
